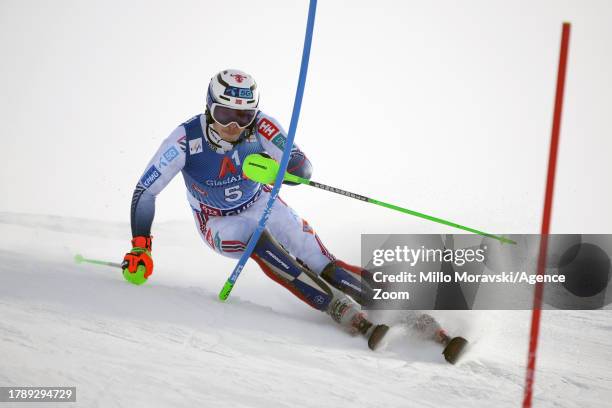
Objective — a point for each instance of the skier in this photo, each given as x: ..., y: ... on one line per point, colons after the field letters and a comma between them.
x: 209, y: 150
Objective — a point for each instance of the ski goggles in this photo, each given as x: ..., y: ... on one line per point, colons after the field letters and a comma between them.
x: 224, y: 115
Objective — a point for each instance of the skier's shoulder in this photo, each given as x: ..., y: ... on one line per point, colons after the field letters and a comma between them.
x: 195, y: 123
x: 267, y: 126
x: 179, y: 134
x: 177, y: 139
x: 192, y: 120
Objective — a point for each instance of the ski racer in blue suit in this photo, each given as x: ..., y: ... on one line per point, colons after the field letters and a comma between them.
x: 208, y: 150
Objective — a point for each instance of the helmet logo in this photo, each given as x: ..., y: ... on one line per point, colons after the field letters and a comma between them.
x: 238, y: 77
x: 238, y: 92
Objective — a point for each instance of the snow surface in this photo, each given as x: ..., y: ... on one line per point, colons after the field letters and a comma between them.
x: 172, y: 343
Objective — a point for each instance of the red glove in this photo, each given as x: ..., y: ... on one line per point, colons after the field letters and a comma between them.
x: 137, y: 264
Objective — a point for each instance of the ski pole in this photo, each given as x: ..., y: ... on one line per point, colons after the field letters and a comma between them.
x: 263, y: 170
x: 78, y: 258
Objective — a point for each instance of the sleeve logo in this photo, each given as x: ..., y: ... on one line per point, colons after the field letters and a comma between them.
x: 182, y: 143
x: 195, y: 146
x: 150, y: 176
x: 280, y: 141
x: 267, y: 129
x: 171, y: 154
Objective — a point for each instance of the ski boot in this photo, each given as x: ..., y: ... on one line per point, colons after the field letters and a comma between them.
x: 430, y: 328
x: 346, y: 313
x: 453, y: 346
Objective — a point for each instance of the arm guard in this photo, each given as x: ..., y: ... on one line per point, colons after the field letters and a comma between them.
x: 299, y: 165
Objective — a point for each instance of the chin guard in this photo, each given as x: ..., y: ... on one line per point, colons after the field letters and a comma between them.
x: 216, y: 142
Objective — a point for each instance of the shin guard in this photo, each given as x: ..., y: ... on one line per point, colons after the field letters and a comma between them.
x: 283, y: 268
x: 347, y: 279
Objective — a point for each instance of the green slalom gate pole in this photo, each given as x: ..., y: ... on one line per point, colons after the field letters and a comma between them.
x: 78, y: 258
x: 263, y: 170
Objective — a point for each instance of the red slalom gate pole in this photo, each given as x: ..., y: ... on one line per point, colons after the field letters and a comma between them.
x: 546, y: 215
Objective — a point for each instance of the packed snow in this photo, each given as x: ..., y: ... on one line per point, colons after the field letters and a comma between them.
x: 170, y: 342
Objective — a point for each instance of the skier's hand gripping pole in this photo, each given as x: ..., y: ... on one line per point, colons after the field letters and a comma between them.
x: 137, y: 264
x: 264, y: 170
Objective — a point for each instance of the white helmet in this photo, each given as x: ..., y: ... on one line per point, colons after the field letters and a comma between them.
x: 232, y: 97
